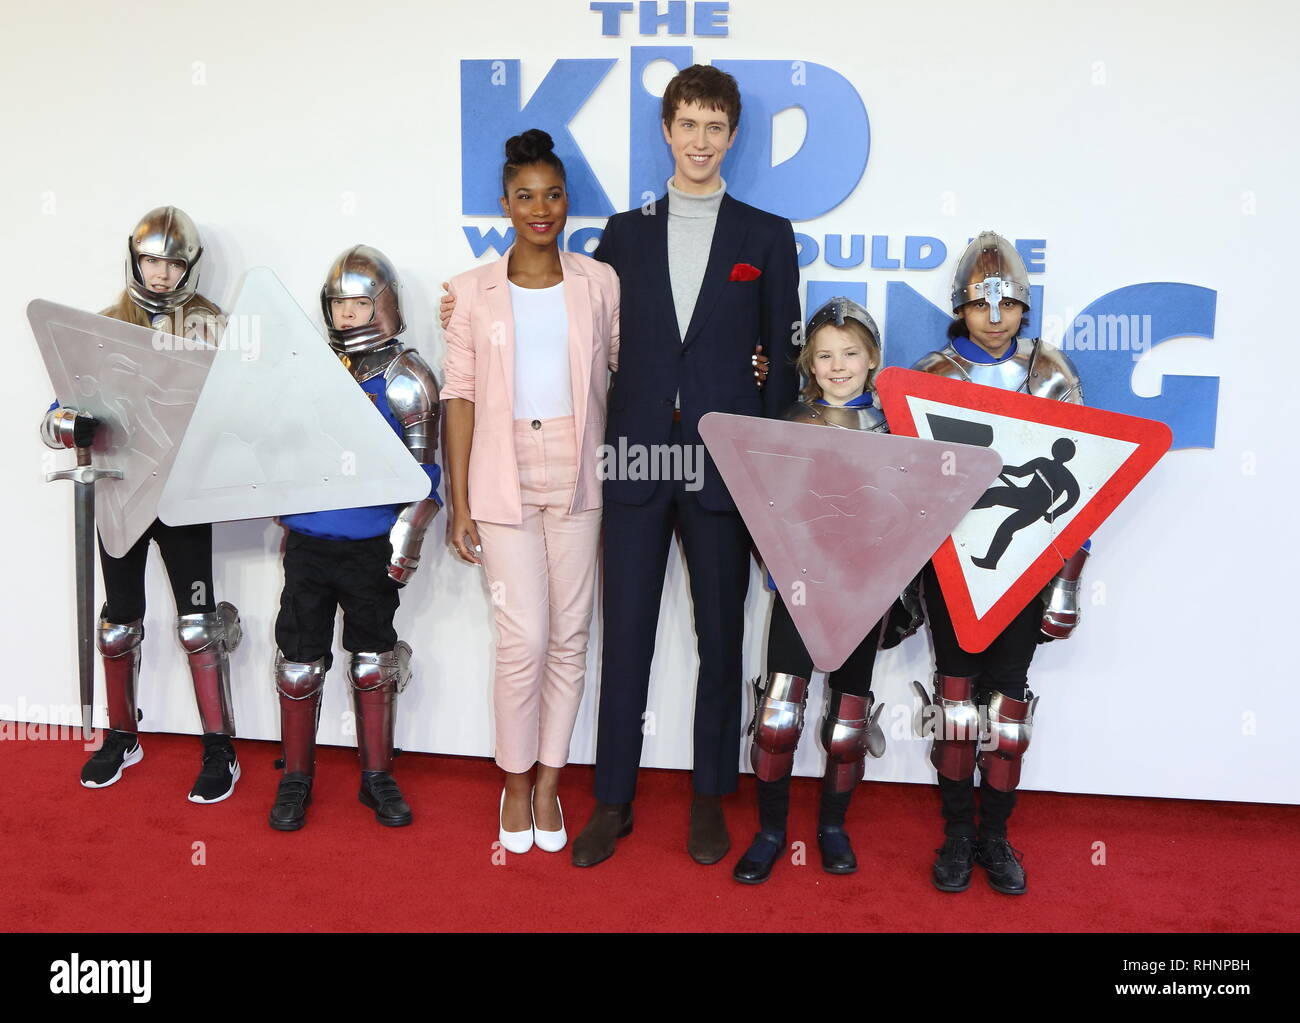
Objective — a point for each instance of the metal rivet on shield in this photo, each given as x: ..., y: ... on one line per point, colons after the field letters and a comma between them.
x: 804, y: 571
x: 771, y: 504
x: 922, y: 511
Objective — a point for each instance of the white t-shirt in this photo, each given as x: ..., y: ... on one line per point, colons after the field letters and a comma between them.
x: 542, y: 387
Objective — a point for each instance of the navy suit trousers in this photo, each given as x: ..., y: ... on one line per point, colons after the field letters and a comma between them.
x: 637, y: 539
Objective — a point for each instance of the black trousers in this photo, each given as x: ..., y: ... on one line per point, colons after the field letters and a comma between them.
x: 187, y: 556
x: 637, y: 539
x: 320, y: 576
x: 787, y: 654
x: 1003, y: 666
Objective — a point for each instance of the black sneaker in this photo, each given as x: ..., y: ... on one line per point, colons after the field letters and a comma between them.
x: 220, y: 771
x: 291, y: 801
x: 952, y: 869
x: 119, y: 751
x: 380, y: 792
x: 1001, y: 864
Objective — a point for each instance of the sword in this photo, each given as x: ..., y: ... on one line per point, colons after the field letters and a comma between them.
x: 83, y: 546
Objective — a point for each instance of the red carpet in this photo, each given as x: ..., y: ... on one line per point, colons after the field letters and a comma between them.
x: 120, y: 859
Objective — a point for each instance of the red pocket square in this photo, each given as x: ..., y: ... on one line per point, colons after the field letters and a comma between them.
x: 745, y: 272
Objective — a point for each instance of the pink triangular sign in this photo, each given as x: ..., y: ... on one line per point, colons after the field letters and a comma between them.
x: 843, y: 519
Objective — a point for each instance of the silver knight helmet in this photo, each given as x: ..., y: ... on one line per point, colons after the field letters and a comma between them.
x: 836, y: 311
x: 990, y: 269
x: 166, y: 233
x: 363, y: 272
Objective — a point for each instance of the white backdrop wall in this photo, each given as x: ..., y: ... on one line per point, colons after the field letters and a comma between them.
x: 1144, y: 145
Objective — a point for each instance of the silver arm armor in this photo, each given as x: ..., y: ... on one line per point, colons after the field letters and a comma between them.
x: 412, y: 391
x: 57, y: 426
x: 1061, y: 598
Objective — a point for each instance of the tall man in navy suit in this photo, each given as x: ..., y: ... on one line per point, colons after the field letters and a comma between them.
x: 704, y: 279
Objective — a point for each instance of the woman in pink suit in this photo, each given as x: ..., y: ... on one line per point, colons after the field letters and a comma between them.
x: 530, y: 344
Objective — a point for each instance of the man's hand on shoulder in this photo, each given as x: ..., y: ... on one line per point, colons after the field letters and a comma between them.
x: 447, y: 306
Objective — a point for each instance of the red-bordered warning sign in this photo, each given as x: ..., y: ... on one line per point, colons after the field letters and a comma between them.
x: 1066, y: 467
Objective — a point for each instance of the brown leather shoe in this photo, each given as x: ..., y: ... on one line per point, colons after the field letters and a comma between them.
x: 708, y: 841
x: 609, y: 822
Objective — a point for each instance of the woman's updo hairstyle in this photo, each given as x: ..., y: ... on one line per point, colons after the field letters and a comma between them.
x: 533, y: 146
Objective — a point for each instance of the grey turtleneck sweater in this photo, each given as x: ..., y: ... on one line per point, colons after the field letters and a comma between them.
x: 691, y: 220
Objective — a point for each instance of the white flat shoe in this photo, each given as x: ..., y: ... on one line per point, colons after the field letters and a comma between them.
x: 514, y: 841
x: 552, y: 841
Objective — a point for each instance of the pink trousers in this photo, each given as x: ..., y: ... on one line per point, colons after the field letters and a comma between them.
x: 541, y: 577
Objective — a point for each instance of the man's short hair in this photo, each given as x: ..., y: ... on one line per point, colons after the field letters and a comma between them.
x: 706, y: 85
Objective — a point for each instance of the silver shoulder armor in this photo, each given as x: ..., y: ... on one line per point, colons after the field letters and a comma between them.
x: 1037, y: 368
x: 943, y: 363
x: 869, y: 419
x: 412, y: 391
x: 1051, y: 374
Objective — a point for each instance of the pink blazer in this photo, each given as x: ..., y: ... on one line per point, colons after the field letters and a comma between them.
x: 480, y: 367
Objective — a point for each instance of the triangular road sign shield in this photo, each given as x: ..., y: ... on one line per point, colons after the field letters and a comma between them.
x: 1065, y: 469
x: 843, y: 519
x: 281, y: 426
x: 142, y: 385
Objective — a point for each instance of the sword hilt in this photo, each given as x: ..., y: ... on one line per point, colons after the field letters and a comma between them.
x: 84, y: 472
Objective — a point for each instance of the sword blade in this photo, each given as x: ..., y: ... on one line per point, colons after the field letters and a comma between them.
x: 84, y: 549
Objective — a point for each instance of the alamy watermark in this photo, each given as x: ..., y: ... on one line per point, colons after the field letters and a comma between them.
x: 1110, y: 332
x: 626, y: 461
x: 200, y: 331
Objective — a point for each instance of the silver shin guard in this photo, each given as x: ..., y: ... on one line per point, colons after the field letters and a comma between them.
x: 777, y: 725
x: 299, y: 685
x: 954, y: 725
x: 208, y: 640
x: 376, y: 680
x: 1010, y: 726
x: 120, y: 647
x: 849, y: 731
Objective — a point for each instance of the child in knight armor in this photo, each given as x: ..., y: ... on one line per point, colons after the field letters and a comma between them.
x: 162, y: 277
x: 838, y: 362
x: 356, y: 559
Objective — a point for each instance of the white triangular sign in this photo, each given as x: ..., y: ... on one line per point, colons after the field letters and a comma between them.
x: 282, y: 427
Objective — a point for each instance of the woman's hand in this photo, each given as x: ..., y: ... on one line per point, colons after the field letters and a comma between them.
x: 464, y: 538
x: 446, y: 306
x: 760, y: 364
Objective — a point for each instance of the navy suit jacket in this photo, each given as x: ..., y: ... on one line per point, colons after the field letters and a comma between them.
x: 710, y: 367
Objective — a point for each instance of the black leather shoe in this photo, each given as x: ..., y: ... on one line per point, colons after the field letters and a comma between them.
x: 708, y: 841
x: 836, y: 850
x: 291, y: 801
x: 759, y: 859
x: 380, y: 792
x: 953, y: 867
x: 1001, y: 865
x: 609, y: 822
